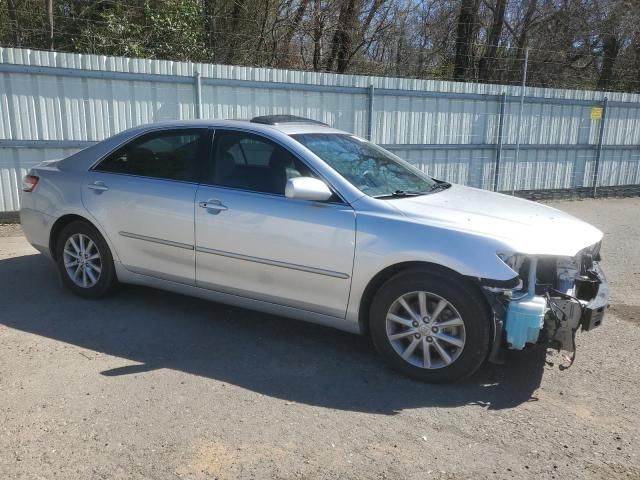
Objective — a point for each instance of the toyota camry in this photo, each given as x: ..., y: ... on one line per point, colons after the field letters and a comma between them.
x: 288, y: 216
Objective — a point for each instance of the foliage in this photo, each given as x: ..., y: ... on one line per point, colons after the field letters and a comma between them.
x: 571, y: 43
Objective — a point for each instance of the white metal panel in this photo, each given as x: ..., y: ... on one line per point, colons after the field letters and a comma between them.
x: 14, y: 164
x: 620, y: 167
x: 344, y: 111
x: 65, y: 108
x: 467, y: 167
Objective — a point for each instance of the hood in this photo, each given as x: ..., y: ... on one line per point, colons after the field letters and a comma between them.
x: 520, y: 225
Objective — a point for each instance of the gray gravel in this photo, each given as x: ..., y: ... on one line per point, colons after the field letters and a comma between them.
x: 151, y: 385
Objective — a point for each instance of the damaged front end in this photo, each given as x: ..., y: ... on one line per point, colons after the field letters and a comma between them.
x: 554, y: 298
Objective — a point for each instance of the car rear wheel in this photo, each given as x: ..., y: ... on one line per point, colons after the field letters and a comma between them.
x: 431, y: 326
x: 84, y: 261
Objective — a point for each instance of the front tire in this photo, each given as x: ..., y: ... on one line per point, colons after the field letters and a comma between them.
x: 430, y: 325
x: 84, y: 261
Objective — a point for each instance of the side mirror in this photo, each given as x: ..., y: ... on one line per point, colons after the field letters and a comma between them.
x: 307, y: 188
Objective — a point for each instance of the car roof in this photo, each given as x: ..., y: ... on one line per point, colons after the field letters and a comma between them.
x: 291, y: 128
x: 84, y: 159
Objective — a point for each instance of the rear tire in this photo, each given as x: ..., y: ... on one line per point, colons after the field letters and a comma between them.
x: 84, y: 261
x: 430, y: 326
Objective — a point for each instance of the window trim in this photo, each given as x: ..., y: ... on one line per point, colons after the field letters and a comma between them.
x: 212, y: 162
x: 205, y: 147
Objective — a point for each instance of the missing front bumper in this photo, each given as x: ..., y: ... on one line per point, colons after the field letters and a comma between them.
x: 565, y: 315
x: 593, y: 312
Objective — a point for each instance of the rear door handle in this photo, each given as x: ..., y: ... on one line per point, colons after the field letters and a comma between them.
x: 98, y: 187
x: 213, y: 206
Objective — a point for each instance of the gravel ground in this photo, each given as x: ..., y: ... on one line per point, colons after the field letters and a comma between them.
x: 151, y: 385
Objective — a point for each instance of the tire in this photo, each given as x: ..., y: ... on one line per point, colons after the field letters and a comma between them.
x: 95, y: 277
x: 464, y: 320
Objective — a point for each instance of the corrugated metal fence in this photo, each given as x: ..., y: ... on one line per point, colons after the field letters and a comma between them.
x: 52, y: 104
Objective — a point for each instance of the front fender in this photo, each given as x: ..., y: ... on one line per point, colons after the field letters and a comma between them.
x: 383, y: 241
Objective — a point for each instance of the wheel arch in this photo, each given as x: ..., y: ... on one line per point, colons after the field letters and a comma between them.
x: 388, y: 272
x: 62, y: 222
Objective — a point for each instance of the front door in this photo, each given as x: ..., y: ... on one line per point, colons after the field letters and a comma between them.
x: 143, y: 197
x: 253, y: 241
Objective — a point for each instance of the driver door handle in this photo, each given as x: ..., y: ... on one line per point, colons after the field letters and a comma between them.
x: 98, y: 187
x: 213, y: 206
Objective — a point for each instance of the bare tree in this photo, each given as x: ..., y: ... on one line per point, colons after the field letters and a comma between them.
x: 488, y: 60
x: 617, y: 23
x: 467, y: 22
x: 209, y: 24
x: 343, y: 35
x: 291, y: 30
x: 610, y: 49
x: 318, y: 25
x: 530, y: 10
x: 234, y: 23
x: 49, y: 4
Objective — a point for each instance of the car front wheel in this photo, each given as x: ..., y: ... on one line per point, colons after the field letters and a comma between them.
x: 431, y: 326
x: 84, y: 261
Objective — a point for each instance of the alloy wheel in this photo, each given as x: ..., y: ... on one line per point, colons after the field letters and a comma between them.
x: 82, y: 260
x: 425, y: 330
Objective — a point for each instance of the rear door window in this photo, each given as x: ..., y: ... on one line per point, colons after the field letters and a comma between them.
x: 169, y: 154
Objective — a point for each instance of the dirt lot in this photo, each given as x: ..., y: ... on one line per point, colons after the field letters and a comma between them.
x: 153, y: 385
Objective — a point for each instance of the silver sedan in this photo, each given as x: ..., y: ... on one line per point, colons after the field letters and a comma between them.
x: 291, y: 217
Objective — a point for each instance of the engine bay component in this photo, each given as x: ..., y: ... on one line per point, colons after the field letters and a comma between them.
x: 586, y: 287
x: 566, y: 270
x: 560, y: 295
x: 525, y: 314
x: 598, y: 300
x: 562, y: 322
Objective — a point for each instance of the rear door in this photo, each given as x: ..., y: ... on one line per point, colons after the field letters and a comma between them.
x: 143, y: 197
x: 253, y: 241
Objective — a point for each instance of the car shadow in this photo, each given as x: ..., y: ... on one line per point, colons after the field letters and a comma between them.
x: 282, y: 358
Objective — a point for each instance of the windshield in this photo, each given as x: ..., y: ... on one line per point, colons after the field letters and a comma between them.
x: 369, y: 168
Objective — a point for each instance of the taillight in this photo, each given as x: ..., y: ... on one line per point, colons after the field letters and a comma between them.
x: 29, y: 182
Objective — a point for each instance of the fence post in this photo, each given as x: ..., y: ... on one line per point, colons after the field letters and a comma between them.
x: 503, y: 101
x: 599, y: 147
x: 198, y: 92
x: 519, y: 131
x: 370, y: 112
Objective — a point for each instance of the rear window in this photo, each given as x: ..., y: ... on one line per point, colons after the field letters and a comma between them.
x: 172, y: 155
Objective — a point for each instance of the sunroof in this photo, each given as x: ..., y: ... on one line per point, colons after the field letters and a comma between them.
x: 280, y: 119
